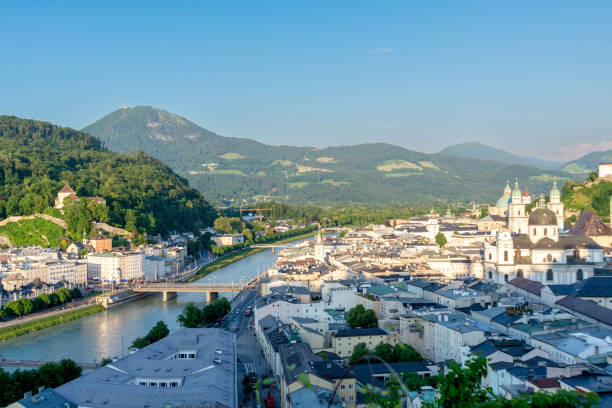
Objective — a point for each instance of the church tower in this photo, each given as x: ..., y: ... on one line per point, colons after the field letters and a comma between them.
x: 517, y: 216
x: 556, y: 205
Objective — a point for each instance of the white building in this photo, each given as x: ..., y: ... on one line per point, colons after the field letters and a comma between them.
x: 115, y: 266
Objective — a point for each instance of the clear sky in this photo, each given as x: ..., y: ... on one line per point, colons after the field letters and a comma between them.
x: 533, y: 77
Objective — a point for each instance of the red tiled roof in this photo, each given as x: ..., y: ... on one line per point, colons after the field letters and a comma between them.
x: 74, y: 196
x: 545, y: 382
x: 98, y: 199
x: 67, y: 189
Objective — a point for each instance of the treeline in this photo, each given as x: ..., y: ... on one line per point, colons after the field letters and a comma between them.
x: 142, y: 194
x: 50, y: 375
x: 25, y: 306
x: 212, y: 313
x: 588, y: 196
x: 267, y: 237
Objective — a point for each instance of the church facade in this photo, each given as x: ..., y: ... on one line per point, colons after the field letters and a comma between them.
x: 534, y: 245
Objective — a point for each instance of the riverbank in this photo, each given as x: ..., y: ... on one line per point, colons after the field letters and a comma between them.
x: 240, y: 254
x: 45, y: 322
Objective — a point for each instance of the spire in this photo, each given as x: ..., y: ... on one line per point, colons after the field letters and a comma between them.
x: 542, y: 201
x: 516, y: 192
x: 555, y: 191
x: 507, y: 190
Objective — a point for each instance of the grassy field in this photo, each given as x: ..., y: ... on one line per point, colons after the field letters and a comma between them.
x: 35, y: 231
x: 238, y: 255
x: 36, y: 325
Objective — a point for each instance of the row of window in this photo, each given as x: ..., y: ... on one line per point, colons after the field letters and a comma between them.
x: 159, y: 383
x: 549, y: 275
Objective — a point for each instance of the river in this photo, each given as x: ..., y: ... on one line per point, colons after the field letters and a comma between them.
x: 110, y: 333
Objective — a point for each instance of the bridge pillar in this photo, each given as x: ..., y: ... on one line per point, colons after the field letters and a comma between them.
x: 211, y: 296
x: 168, y: 295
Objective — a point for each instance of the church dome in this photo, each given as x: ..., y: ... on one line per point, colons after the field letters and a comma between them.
x: 542, y: 216
x: 503, y: 201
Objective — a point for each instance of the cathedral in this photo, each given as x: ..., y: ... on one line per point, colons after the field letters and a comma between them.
x: 533, y: 246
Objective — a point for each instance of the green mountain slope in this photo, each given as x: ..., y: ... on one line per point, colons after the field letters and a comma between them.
x: 38, y: 158
x: 588, y: 162
x: 476, y: 150
x: 592, y: 196
x: 231, y: 170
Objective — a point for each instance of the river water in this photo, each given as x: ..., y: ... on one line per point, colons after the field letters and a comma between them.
x: 110, y: 333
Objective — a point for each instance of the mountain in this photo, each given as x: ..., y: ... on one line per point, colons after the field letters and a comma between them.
x: 476, y: 150
x: 591, y: 196
x: 543, y: 164
x: 38, y: 158
x: 587, y: 163
x: 233, y: 171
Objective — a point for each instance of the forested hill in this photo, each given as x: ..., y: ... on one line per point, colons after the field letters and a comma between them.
x: 38, y: 158
x: 229, y: 170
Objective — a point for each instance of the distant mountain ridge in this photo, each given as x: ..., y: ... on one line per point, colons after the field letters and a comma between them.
x: 232, y: 170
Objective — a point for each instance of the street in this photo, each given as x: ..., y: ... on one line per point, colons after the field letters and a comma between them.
x: 249, y: 354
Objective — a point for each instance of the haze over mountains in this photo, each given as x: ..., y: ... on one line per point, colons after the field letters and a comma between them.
x: 231, y: 170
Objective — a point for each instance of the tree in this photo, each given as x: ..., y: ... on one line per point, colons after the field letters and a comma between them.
x: 403, y: 352
x: 106, y: 361
x: 54, y: 299
x: 359, y: 316
x: 45, y: 299
x: 157, y: 332
x: 63, y: 294
x: 191, y: 317
x: 75, y: 293
x: 440, y: 239
x: 359, y: 351
x: 26, y: 305
x: 385, y: 351
x: 228, y: 225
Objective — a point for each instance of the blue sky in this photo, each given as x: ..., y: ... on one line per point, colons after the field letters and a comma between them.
x: 533, y: 77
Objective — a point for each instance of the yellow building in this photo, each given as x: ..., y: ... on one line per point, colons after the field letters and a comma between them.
x: 344, y: 341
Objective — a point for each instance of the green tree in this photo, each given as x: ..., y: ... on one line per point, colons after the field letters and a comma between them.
x: 106, y: 361
x: 403, y: 352
x: 359, y: 351
x: 159, y: 331
x: 75, y: 293
x: 359, y: 316
x: 191, y: 317
x: 45, y: 299
x: 228, y: 225
x: 440, y: 239
x: 140, y: 342
x: 63, y: 294
x: 385, y: 351
x: 26, y: 305
x: 54, y: 299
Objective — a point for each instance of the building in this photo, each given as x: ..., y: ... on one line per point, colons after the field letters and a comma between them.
x: 100, y: 243
x: 604, y: 170
x: 540, y: 253
x: 46, y: 398
x: 344, y: 341
x: 191, y: 367
x: 68, y: 192
x: 115, y: 266
x: 228, y: 239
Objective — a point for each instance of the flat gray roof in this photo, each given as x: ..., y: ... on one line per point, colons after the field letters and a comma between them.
x: 202, y: 382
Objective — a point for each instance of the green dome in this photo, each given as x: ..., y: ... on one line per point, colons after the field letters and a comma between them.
x: 555, y: 191
x: 503, y: 201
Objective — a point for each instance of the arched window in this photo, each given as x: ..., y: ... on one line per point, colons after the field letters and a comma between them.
x: 490, y: 275
x: 490, y: 256
x: 549, y: 275
x: 545, y: 231
x: 519, y: 273
x: 549, y: 258
x: 519, y: 212
x: 506, y: 278
x: 534, y: 232
x: 579, y: 275
x: 505, y: 256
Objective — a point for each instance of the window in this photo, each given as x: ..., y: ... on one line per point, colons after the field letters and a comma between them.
x: 505, y: 256
x: 545, y: 231
x: 549, y: 275
x: 506, y: 278
x: 549, y: 257
x: 579, y: 275
x: 490, y: 275
x: 534, y: 232
x: 350, y: 386
x: 519, y: 273
x: 490, y: 256
x: 342, y: 386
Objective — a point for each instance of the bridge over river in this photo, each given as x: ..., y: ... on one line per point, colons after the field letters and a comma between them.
x: 170, y: 289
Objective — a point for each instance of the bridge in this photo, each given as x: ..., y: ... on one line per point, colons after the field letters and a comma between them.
x: 170, y: 289
x: 11, y: 362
